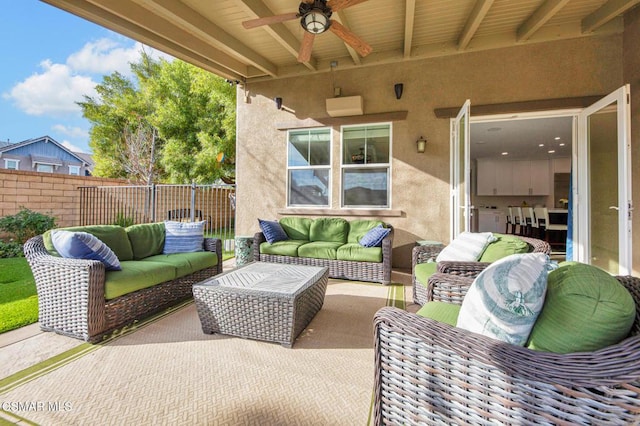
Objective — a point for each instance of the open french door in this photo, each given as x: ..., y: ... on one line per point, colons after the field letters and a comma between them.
x: 602, y: 185
x: 461, y: 209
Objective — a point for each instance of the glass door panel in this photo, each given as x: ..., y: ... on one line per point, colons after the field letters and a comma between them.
x: 461, y: 173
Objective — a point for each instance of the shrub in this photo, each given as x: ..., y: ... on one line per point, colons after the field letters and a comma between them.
x: 26, y: 224
x: 10, y: 249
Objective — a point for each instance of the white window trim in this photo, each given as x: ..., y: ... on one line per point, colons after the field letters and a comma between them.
x: 8, y: 160
x: 373, y: 166
x: 323, y: 167
x: 77, y: 168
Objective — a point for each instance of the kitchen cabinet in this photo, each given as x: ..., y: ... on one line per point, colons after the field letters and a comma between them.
x: 512, y: 177
x: 490, y: 220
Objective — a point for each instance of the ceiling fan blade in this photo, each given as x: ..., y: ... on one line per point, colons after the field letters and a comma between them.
x: 350, y: 38
x: 304, y: 55
x: 337, y: 5
x: 268, y: 20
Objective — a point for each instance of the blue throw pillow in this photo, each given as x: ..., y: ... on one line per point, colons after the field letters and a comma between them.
x: 183, y: 237
x: 374, y: 237
x: 82, y: 245
x: 272, y: 231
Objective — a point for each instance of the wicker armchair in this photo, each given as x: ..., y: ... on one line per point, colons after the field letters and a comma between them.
x: 429, y: 252
x: 427, y: 372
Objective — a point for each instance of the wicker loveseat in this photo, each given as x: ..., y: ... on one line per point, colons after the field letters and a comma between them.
x: 79, y: 298
x: 331, y: 242
x: 430, y: 372
x: 423, y: 261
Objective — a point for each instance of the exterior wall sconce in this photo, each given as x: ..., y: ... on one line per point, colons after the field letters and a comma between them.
x: 398, y: 89
x: 421, y: 144
x: 278, y: 102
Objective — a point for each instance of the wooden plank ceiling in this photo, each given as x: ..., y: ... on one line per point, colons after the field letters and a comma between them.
x: 210, y: 34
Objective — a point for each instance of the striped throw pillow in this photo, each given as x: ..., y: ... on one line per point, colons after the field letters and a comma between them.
x: 466, y: 247
x: 183, y: 237
x: 82, y: 245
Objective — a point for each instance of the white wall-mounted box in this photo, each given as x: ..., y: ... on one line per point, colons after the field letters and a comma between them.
x: 345, y: 106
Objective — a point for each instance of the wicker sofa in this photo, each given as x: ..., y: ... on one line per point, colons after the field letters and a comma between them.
x: 79, y: 298
x: 423, y: 262
x: 335, y: 246
x: 429, y: 372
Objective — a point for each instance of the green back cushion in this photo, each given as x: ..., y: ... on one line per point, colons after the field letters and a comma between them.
x: 114, y: 236
x: 329, y: 229
x: 441, y: 311
x: 146, y: 239
x: 359, y: 228
x: 503, y: 247
x: 297, y: 228
x: 424, y: 270
x: 585, y: 309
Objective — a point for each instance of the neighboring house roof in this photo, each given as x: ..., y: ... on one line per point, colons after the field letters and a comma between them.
x: 49, y: 158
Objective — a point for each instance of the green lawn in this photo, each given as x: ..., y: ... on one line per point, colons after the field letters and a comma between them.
x: 18, y: 297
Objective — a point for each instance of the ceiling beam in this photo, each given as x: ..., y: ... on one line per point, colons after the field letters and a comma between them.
x: 105, y: 18
x: 209, y: 32
x: 409, y: 22
x: 606, y: 13
x: 478, y: 14
x: 341, y: 19
x: 540, y: 17
x: 257, y: 9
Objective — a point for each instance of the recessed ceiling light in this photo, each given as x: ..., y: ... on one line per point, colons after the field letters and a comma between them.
x: 480, y: 143
x: 551, y: 151
x: 505, y: 153
x: 557, y: 138
x: 562, y: 144
x: 540, y: 144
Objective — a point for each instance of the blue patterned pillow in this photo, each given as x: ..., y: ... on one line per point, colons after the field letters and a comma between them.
x: 505, y: 299
x: 272, y: 231
x: 183, y: 237
x: 82, y: 245
x: 374, y: 237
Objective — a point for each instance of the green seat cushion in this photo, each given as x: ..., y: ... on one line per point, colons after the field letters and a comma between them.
x: 320, y: 250
x: 358, y: 228
x: 441, y: 312
x: 147, y: 239
x: 297, y: 228
x: 282, y: 248
x: 185, y: 263
x: 503, y: 247
x: 585, y: 309
x: 330, y: 229
x: 136, y: 275
x: 354, y: 251
x: 114, y: 236
x: 424, y: 270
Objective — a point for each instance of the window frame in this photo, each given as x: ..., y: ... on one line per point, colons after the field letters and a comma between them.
x: 8, y: 160
x: 74, y: 167
x: 346, y: 166
x: 328, y: 167
x: 38, y: 165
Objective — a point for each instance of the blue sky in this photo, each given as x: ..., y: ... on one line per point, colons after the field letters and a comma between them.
x: 52, y: 58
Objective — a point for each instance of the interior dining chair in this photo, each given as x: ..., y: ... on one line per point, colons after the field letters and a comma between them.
x: 515, y: 219
x: 509, y: 222
x: 532, y: 223
x: 554, y: 228
x: 520, y: 220
x: 539, y: 213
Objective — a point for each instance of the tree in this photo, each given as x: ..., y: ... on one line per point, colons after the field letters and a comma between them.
x: 170, y: 123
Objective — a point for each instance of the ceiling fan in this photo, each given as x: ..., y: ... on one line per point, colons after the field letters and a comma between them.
x: 315, y: 19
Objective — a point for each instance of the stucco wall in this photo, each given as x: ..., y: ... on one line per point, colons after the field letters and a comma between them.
x: 420, y: 182
x: 631, y: 55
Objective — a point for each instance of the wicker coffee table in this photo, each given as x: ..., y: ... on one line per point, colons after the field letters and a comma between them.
x: 263, y: 301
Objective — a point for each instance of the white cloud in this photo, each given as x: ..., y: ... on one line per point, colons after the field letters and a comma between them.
x: 54, y: 92
x: 71, y: 146
x: 56, y: 89
x: 73, y: 132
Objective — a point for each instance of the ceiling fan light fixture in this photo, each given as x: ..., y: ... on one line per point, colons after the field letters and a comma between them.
x: 315, y: 16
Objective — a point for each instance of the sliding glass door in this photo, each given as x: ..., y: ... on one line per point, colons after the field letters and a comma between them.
x: 461, y: 209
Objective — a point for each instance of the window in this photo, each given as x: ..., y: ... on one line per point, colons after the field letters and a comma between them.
x: 74, y: 170
x: 309, y: 167
x: 45, y: 168
x: 11, y: 164
x: 366, y: 166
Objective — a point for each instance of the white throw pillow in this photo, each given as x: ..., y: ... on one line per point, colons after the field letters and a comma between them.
x: 466, y: 247
x: 505, y: 299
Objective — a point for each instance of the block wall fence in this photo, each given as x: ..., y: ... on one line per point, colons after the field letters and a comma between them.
x: 52, y: 194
